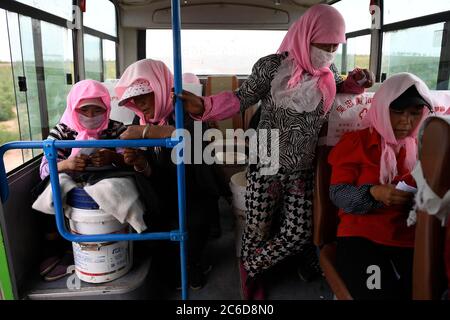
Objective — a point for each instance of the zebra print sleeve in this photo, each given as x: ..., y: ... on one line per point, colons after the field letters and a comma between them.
x: 62, y: 132
x: 258, y: 83
x: 337, y: 76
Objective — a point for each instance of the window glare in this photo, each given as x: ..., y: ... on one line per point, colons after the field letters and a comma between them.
x: 401, y: 55
x: 215, y: 51
x: 60, y: 8
x: 358, y: 53
x: 399, y: 10
x: 356, y: 14
x: 100, y: 15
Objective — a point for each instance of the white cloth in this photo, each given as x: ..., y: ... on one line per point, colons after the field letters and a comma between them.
x: 120, y: 198
x: 44, y: 203
x: 305, y: 97
x: 426, y: 199
x: 116, y: 196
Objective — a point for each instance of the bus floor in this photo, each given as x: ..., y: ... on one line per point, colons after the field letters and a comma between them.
x: 155, y: 277
x: 282, y: 282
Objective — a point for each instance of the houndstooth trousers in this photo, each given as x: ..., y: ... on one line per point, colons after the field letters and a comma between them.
x: 288, y: 194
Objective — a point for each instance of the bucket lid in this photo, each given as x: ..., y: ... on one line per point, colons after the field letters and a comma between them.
x: 90, y: 216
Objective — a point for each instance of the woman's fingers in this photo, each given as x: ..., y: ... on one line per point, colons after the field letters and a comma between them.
x: 191, y: 102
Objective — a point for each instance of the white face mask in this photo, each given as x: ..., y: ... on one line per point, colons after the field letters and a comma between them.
x: 91, y: 123
x: 321, y: 58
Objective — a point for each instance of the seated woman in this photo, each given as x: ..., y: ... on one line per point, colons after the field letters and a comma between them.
x: 375, y: 246
x: 145, y: 87
x: 86, y: 117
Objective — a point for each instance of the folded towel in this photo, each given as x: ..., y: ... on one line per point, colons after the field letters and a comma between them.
x: 44, y: 202
x: 120, y: 198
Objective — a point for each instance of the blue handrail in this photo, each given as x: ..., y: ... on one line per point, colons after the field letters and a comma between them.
x: 50, y: 150
x: 179, y: 119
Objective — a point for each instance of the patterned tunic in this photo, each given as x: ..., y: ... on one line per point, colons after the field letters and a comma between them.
x: 299, y: 132
x: 62, y: 132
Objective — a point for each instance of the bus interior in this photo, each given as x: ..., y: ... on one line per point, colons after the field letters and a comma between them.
x: 47, y: 46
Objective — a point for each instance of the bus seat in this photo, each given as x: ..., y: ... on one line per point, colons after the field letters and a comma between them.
x: 325, y: 220
x: 217, y: 84
x: 428, y: 271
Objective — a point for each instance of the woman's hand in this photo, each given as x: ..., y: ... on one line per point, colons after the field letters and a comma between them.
x: 192, y: 104
x: 159, y: 132
x: 135, y: 158
x: 102, y: 157
x: 363, y: 77
x: 132, y: 133
x: 77, y: 163
x: 388, y: 195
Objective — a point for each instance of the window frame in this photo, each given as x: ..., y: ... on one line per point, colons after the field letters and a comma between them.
x: 37, y: 16
x: 377, y: 53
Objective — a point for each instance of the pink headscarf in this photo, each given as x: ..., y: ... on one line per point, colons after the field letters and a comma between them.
x: 190, y: 78
x: 378, y: 118
x: 83, y: 90
x: 321, y: 23
x: 160, y: 80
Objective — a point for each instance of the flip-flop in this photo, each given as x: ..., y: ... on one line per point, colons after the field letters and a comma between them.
x: 48, y: 264
x: 60, y: 270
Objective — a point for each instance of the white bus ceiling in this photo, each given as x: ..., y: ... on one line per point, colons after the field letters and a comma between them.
x: 200, y: 14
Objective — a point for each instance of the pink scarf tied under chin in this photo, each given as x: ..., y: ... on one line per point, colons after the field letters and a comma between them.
x: 321, y: 24
x: 379, y: 119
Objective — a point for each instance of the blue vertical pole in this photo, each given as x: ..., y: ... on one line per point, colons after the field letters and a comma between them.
x: 179, y: 119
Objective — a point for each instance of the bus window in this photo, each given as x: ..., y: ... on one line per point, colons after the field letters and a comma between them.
x: 58, y: 68
x: 402, y: 52
x: 207, y: 52
x: 109, y: 59
x: 9, y: 124
x: 92, y: 57
x: 358, y: 52
x: 399, y: 10
x: 356, y: 14
x: 60, y: 8
x: 100, y: 15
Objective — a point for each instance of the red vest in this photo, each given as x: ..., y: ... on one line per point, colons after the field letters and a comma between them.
x: 356, y: 160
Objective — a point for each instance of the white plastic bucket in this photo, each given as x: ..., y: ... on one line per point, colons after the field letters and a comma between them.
x: 238, y: 185
x: 99, y: 262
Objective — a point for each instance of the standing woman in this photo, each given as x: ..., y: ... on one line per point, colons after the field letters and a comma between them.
x: 296, y: 87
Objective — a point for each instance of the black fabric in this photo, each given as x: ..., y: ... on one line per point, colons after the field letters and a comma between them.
x: 202, y: 194
x: 352, y: 199
x: 410, y: 98
x: 254, y: 121
x: 354, y: 255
